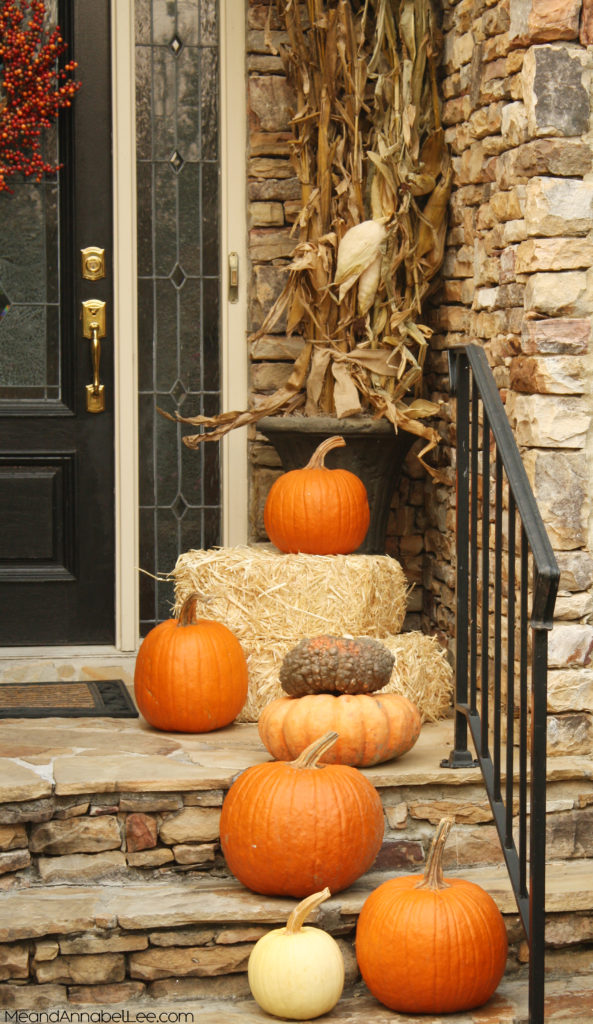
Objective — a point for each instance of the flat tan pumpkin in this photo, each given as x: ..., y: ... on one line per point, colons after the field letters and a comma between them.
x: 371, y: 727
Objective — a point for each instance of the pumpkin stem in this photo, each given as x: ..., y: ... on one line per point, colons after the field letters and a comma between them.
x: 433, y: 872
x: 311, y: 754
x: 317, y: 460
x: 187, y: 615
x: 302, y: 911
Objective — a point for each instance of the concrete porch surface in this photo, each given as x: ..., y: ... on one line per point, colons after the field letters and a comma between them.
x: 64, y: 760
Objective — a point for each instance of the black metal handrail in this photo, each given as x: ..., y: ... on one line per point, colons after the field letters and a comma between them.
x: 490, y: 472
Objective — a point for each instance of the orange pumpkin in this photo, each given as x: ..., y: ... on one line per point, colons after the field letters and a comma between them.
x: 290, y: 829
x: 316, y: 510
x: 190, y: 676
x: 371, y: 727
x: 426, y: 945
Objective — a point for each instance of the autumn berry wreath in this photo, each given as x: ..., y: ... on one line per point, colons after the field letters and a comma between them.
x: 33, y: 87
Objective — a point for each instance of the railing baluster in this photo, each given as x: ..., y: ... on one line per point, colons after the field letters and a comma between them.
x: 473, y: 583
x: 460, y: 756
x: 523, y: 674
x: 496, y: 730
x: 537, y: 887
x: 484, y: 716
x: 524, y: 853
x: 510, y: 738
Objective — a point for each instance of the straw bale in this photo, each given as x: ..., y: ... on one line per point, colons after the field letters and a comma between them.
x: 270, y: 601
x: 260, y: 593
x: 420, y: 672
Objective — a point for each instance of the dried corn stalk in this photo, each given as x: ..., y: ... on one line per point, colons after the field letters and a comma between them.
x: 375, y: 177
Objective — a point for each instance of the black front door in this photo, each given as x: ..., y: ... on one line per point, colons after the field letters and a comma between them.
x: 56, y: 426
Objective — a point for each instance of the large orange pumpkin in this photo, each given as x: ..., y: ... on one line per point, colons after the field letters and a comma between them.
x: 290, y: 829
x: 316, y: 510
x: 426, y: 945
x: 190, y: 676
x: 371, y: 727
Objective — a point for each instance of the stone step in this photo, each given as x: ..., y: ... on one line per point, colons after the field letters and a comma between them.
x: 128, y: 819
x: 568, y: 1000
x: 190, y: 939
x: 191, y: 902
x: 84, y: 800
x: 61, y: 942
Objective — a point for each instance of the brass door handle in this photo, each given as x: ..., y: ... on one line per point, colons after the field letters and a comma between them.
x: 93, y: 327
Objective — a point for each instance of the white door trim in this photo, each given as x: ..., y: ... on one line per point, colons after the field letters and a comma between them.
x: 125, y: 284
x: 234, y: 383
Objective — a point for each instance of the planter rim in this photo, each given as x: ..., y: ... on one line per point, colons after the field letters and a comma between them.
x: 317, y: 424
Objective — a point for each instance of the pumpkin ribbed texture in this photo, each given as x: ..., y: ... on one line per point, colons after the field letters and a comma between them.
x: 371, y: 727
x: 426, y: 945
x: 290, y: 829
x: 190, y: 676
x: 316, y: 510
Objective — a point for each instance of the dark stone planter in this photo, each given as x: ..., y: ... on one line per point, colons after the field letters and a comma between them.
x: 373, y: 451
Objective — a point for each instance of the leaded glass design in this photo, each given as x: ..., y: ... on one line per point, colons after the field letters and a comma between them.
x: 178, y: 285
x: 30, y: 281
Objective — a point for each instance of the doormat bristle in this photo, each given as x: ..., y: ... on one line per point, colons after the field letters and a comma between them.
x: 96, y: 698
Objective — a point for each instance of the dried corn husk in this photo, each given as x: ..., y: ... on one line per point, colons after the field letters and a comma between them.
x: 368, y: 284
x: 358, y: 250
x: 369, y: 149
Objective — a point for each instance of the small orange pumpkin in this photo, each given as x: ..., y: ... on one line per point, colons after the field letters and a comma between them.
x: 426, y: 945
x: 290, y: 829
x: 371, y: 727
x: 190, y: 676
x: 316, y: 510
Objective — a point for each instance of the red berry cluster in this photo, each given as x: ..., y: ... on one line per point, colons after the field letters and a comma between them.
x: 32, y: 88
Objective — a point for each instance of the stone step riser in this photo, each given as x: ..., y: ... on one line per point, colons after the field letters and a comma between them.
x: 203, y: 962
x: 184, y: 938
x: 86, y: 837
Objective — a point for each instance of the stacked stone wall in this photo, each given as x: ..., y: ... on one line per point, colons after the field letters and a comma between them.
x: 517, y: 279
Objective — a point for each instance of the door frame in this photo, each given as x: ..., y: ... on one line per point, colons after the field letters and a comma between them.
x: 234, y: 316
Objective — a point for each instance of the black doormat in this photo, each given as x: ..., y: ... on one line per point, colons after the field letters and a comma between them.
x: 97, y: 698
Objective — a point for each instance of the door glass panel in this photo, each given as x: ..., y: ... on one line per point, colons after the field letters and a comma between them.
x: 30, y: 281
x: 178, y: 176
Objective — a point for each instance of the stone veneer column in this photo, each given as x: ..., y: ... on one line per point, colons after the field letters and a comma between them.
x: 518, y: 279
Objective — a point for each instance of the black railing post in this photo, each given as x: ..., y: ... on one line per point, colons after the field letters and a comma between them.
x: 460, y: 756
x: 537, y: 844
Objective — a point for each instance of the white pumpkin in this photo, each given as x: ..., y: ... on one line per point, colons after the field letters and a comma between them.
x: 296, y: 972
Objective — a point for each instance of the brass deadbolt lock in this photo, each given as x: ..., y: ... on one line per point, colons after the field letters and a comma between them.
x: 93, y: 263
